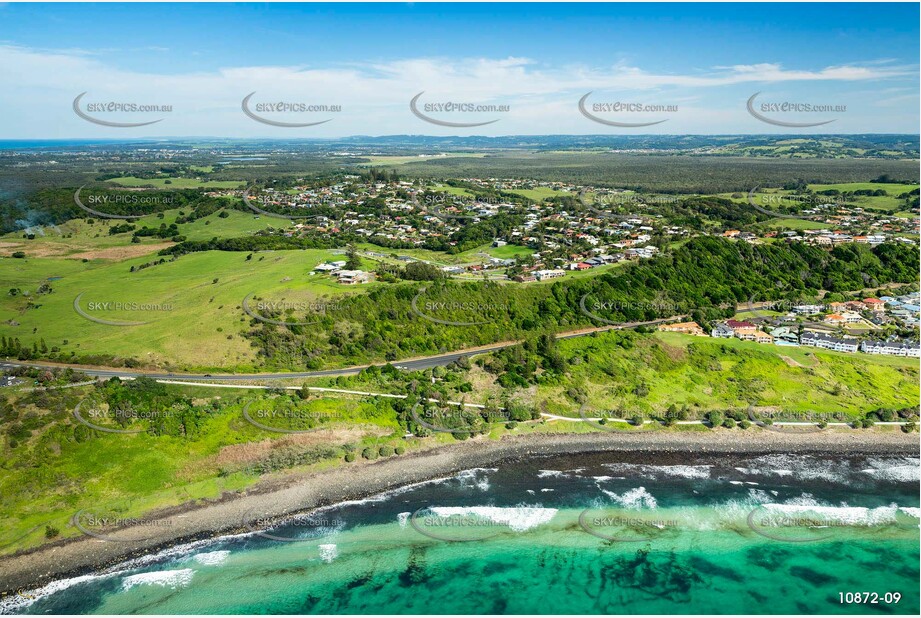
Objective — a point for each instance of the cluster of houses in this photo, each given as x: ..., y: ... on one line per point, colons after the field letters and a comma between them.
x: 345, y: 277
x: 785, y: 336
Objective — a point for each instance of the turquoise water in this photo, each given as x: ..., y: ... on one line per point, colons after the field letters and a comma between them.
x: 589, y: 534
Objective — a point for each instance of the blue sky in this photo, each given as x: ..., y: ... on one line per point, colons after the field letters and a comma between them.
x: 696, y: 64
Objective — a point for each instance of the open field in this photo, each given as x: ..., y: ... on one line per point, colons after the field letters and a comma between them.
x: 192, y: 307
x: 79, y: 238
x: 538, y: 194
x: 225, y: 454
x: 705, y: 374
x: 385, y: 160
x: 175, y: 183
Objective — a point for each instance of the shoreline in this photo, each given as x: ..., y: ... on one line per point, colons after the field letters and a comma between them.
x: 277, y: 498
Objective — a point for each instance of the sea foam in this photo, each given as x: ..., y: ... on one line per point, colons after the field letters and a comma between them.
x: 173, y: 579
x: 517, y: 518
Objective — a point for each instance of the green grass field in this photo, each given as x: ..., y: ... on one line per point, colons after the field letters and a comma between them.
x: 538, y: 194
x: 196, y: 322
x: 710, y: 374
x: 175, y: 183
x: 890, y: 201
x: 385, y: 160
x: 90, y: 238
x: 96, y: 472
x: 797, y: 224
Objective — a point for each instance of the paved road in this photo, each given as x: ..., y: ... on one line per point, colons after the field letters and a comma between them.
x: 438, y: 360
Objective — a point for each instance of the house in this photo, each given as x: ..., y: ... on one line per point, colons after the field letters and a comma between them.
x: 524, y: 278
x: 834, y: 319
x: 579, y: 266
x: 325, y: 267
x: 549, y: 274
x: 874, y: 304
x: 752, y: 334
x: 891, y: 348
x: 731, y: 233
x: 851, y: 318
x: 688, y: 328
x: 721, y: 331
x: 353, y: 277
x: 784, y: 336
x: 808, y: 309
x: 827, y: 342
x: 734, y: 324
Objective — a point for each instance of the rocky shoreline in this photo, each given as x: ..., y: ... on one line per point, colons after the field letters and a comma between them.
x: 276, y: 499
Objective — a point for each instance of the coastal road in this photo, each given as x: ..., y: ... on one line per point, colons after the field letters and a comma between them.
x: 414, y: 364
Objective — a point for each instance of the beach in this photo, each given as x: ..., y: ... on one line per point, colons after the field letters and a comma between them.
x: 277, y: 497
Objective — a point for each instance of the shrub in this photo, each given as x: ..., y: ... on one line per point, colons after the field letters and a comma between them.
x: 369, y: 453
x: 729, y: 423
x: 511, y: 425
x: 744, y: 424
x: 19, y: 254
x: 51, y: 532
x: 399, y: 450
x: 715, y: 418
x: 908, y: 427
x: 386, y: 451
x: 637, y: 419
x: 350, y: 457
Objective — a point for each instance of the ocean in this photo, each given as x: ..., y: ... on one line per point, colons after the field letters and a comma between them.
x: 612, y: 533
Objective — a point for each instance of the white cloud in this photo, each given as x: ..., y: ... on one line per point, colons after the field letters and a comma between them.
x: 375, y: 96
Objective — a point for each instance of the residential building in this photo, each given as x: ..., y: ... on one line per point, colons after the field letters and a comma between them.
x: 549, y: 274
x: 353, y: 277
x: 827, y: 342
x: 688, y: 328
x: 752, y: 334
x: 891, y: 348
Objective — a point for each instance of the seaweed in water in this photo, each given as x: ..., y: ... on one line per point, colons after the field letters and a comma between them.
x: 664, y: 577
x: 359, y: 581
x: 415, y: 572
x: 812, y: 576
x: 705, y: 566
x: 767, y: 557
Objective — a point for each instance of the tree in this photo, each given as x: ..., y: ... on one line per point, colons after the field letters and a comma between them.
x: 353, y: 261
